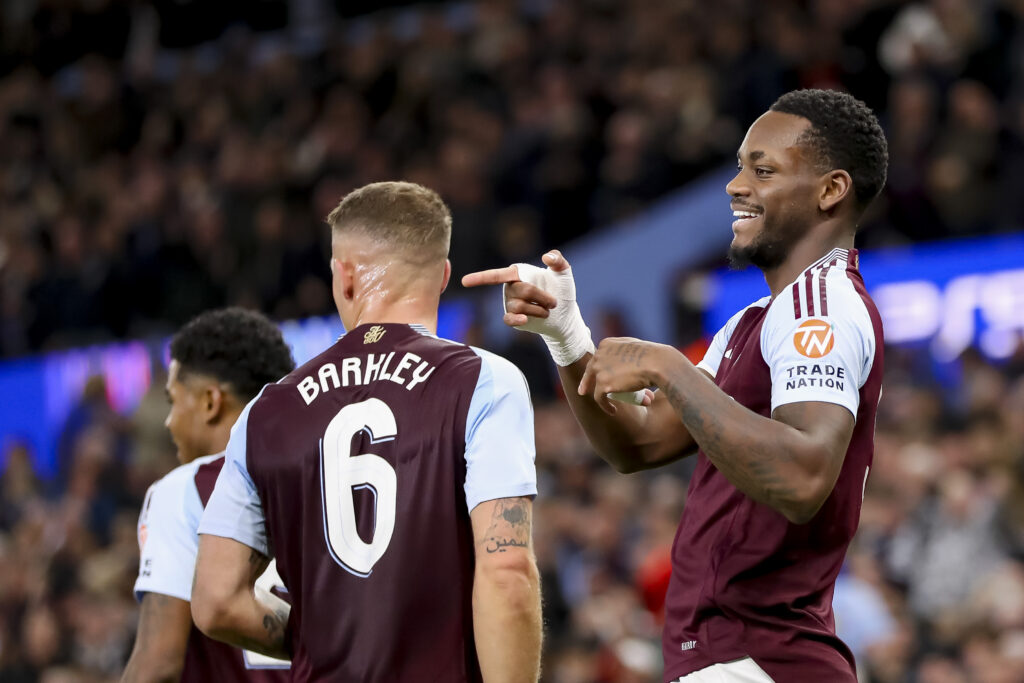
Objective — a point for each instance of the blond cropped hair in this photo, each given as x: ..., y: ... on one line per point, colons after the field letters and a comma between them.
x: 407, y: 218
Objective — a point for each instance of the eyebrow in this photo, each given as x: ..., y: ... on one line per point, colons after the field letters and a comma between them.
x: 754, y: 156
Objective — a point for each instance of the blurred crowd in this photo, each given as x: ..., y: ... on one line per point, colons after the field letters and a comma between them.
x: 932, y: 590
x: 164, y: 157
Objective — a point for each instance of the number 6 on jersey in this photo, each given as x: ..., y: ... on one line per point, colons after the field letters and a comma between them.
x: 342, y: 473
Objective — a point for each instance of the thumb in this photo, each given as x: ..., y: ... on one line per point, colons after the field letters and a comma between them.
x: 555, y: 261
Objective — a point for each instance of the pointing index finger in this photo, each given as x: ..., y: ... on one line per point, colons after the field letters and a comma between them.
x: 494, y: 276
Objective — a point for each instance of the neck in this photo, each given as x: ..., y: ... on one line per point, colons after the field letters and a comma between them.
x: 220, y: 433
x: 803, y: 254
x: 411, y: 310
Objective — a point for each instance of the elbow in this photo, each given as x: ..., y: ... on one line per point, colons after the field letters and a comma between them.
x: 166, y: 670
x: 625, y: 466
x: 514, y: 578
x: 211, y: 614
x: 804, y: 507
x: 800, y: 514
x: 627, y: 460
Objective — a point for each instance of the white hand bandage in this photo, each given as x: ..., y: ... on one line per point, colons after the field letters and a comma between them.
x: 565, y: 333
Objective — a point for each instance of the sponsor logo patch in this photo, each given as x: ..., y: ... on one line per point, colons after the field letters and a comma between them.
x: 814, y: 338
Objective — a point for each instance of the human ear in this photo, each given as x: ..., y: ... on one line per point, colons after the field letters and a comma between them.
x: 447, y: 275
x: 835, y: 187
x: 212, y: 402
x: 344, y: 277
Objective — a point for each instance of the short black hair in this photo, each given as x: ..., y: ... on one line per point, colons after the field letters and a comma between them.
x: 844, y: 134
x: 240, y: 348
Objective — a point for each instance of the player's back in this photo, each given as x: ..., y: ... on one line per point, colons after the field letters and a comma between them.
x: 359, y: 461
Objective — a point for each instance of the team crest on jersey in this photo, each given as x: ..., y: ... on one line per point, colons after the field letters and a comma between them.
x: 374, y: 334
x: 814, y: 338
x: 143, y: 535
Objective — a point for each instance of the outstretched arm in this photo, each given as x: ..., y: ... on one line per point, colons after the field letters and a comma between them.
x: 228, y: 606
x: 789, y: 462
x: 506, y: 592
x: 629, y: 437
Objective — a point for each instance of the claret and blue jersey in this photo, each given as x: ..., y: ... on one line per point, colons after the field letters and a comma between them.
x: 168, y: 544
x: 746, y: 581
x: 358, y: 472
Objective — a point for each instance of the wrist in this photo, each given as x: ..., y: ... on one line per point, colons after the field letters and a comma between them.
x: 573, y: 344
x: 663, y: 366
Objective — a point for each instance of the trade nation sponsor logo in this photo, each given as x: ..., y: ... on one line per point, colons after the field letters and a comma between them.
x: 814, y: 338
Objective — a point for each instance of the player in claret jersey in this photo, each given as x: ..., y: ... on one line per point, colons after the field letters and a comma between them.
x: 219, y: 361
x: 782, y: 408
x: 392, y: 477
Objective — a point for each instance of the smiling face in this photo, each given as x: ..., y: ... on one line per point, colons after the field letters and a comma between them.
x: 774, y: 194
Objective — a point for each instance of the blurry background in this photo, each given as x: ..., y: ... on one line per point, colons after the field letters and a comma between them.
x: 158, y: 158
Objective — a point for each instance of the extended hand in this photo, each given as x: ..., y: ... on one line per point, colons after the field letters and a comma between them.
x: 620, y: 365
x: 525, y: 299
x: 542, y: 300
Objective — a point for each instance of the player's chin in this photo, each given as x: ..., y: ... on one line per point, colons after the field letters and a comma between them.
x: 740, y: 244
x: 739, y: 254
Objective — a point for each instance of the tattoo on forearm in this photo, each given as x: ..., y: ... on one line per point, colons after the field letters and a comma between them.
x: 272, y: 641
x: 510, y: 526
x: 257, y: 564
x: 754, y: 469
x: 275, y: 624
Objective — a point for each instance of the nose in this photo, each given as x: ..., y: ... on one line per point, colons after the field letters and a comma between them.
x: 167, y: 420
x: 737, y: 187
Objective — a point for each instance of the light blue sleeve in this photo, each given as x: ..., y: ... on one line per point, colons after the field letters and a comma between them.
x: 167, y: 536
x: 500, y: 451
x: 234, y: 509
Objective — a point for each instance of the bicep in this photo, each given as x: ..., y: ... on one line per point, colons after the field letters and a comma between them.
x: 828, y: 427
x: 226, y: 568
x: 502, y: 530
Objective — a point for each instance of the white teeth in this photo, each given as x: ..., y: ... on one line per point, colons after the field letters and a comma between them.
x: 744, y: 214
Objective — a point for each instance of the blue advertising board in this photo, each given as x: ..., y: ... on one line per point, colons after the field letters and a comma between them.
x: 38, y: 393
x: 942, y: 296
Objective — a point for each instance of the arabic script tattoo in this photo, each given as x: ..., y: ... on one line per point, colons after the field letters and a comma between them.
x: 510, y: 526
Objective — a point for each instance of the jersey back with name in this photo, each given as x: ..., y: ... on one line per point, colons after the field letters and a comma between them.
x: 358, y: 460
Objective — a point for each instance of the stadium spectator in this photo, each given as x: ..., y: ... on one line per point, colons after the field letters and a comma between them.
x: 146, y: 173
x: 208, y: 119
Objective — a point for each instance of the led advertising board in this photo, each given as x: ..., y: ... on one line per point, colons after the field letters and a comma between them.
x: 943, y: 296
x: 40, y: 392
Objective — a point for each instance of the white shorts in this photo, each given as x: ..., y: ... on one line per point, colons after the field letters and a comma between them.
x: 743, y: 670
